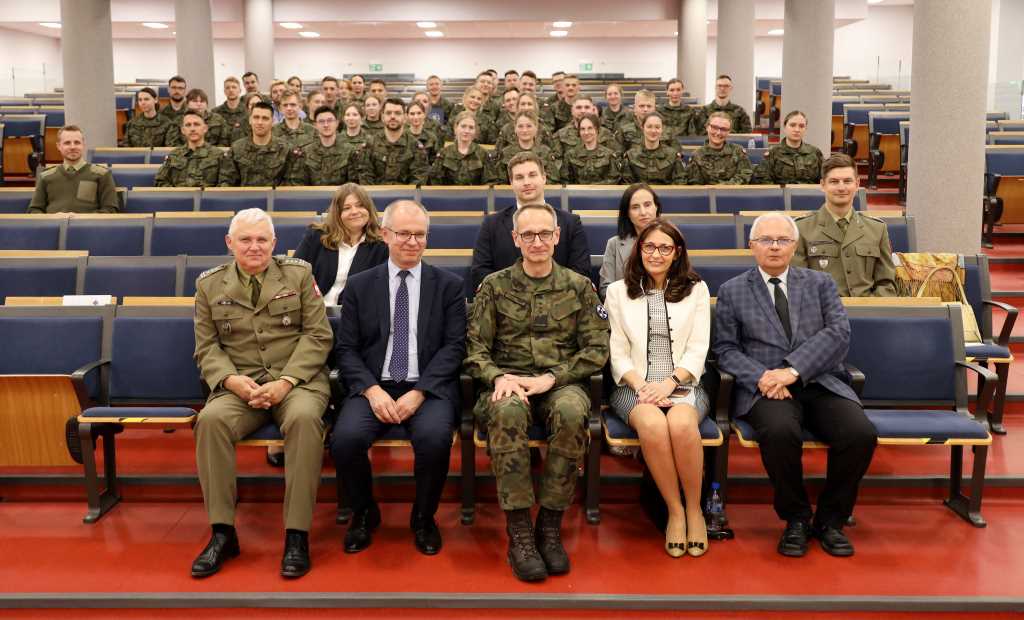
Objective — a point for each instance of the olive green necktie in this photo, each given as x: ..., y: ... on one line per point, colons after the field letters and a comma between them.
x: 843, y: 223
x: 254, y: 284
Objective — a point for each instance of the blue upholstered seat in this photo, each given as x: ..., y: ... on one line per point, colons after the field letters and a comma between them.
x: 29, y: 234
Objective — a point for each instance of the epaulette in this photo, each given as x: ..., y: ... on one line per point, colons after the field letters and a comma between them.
x: 872, y: 217
x: 291, y: 260
x: 210, y: 272
x: 48, y: 171
x: 804, y: 216
x: 99, y: 169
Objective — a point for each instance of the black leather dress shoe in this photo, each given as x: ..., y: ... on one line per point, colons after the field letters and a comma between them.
x: 793, y: 543
x: 833, y: 541
x: 295, y: 561
x: 221, y: 548
x: 360, y: 530
x: 427, y: 537
x: 275, y: 459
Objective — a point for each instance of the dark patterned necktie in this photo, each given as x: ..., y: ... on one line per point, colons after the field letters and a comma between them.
x: 782, y: 307
x: 399, y: 366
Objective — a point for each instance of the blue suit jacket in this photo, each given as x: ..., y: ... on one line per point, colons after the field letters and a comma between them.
x: 749, y: 338
x: 362, y: 339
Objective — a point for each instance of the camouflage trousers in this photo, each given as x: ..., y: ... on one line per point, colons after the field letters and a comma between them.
x: 564, y: 412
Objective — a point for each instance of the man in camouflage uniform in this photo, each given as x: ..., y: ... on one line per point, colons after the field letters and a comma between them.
x: 292, y: 129
x: 394, y: 157
x: 559, y: 113
x: 630, y: 132
x: 262, y: 340
x: 233, y: 110
x: 739, y: 116
x: 148, y: 127
x: 473, y: 100
x: 261, y: 160
x: 74, y: 185
x: 557, y: 79
x: 217, y: 131
x: 491, y: 105
x: 850, y: 246
x: 358, y: 83
x: 718, y: 162
x: 537, y: 333
x: 507, y: 134
x: 679, y: 117
x: 568, y: 137
x: 326, y: 160
x: 174, y: 110
x: 196, y: 164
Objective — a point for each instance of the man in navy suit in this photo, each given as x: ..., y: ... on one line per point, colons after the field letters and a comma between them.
x: 495, y: 250
x: 399, y: 348
x: 783, y: 333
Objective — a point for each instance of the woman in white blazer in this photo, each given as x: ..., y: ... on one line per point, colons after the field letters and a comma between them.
x: 660, y: 316
x: 638, y: 207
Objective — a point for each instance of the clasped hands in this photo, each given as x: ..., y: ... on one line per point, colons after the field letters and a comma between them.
x: 258, y: 396
x: 506, y: 385
x: 773, y: 383
x: 391, y: 411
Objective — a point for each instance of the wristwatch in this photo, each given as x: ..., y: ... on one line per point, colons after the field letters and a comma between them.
x: 793, y: 370
x: 676, y: 380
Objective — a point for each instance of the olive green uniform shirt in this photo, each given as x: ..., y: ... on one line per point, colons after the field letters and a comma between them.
x: 552, y: 165
x: 85, y: 188
x: 859, y: 259
x: 681, y: 120
x: 569, y: 137
x: 185, y: 167
x: 610, y: 120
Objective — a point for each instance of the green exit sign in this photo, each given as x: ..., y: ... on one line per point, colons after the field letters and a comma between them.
x: 586, y: 67
x: 376, y: 68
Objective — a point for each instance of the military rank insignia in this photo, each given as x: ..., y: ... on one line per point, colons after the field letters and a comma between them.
x: 601, y: 312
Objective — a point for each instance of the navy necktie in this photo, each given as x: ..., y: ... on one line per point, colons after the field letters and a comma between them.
x: 399, y: 366
x: 782, y: 306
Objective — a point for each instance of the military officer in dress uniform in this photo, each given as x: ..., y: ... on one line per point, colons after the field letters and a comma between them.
x: 262, y: 340
x: 197, y: 164
x: 852, y: 247
x: 537, y: 333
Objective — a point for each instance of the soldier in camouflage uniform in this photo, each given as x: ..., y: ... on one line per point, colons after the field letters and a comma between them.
x: 654, y: 162
x: 614, y: 111
x: 217, y: 130
x: 292, y: 129
x: 261, y: 160
x: 176, y: 92
x: 537, y: 333
x: 559, y: 111
x: 850, y: 246
x: 326, y: 160
x: 739, y: 116
x: 233, y: 110
x: 394, y: 157
x: 526, y: 140
x: 679, y: 117
x: 352, y: 119
x: 423, y: 128
x: 590, y: 163
x: 373, y: 121
x: 568, y: 137
x: 792, y: 160
x: 463, y: 162
x: 196, y: 164
x: 490, y: 106
x: 507, y: 135
x: 718, y: 162
x: 472, y: 100
x: 147, y: 128
x: 630, y: 131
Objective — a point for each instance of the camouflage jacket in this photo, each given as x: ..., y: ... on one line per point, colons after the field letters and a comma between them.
x: 316, y: 164
x: 661, y: 166
x: 740, y: 118
x: 217, y: 131
x: 247, y: 165
x: 525, y: 326
x: 184, y: 167
x: 682, y: 120
x: 611, y: 120
x: 237, y: 121
x: 486, y: 130
x: 629, y: 133
x: 403, y: 162
x: 568, y: 137
x: 430, y: 140
x: 141, y: 131
x: 602, y: 166
x: 726, y: 166
x: 507, y: 136
x: 784, y: 165
x: 552, y: 165
x: 453, y: 168
x: 305, y: 134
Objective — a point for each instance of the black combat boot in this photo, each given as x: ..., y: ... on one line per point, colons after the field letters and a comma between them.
x: 522, y: 552
x: 549, y: 541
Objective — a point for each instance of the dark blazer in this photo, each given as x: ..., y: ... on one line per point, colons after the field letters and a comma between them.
x: 495, y: 250
x: 325, y: 261
x: 749, y: 337
x: 362, y: 338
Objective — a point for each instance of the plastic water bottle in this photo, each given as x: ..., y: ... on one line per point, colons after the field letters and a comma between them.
x: 750, y: 146
x: 714, y: 504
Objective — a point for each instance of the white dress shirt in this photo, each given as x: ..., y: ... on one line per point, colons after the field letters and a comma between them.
x: 771, y: 287
x: 412, y: 283
x: 346, y: 254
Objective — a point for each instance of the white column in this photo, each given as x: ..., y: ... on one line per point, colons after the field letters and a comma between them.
x: 735, y: 49
x: 947, y: 120
x: 88, y: 59
x: 259, y: 40
x: 692, y: 47
x: 194, y: 43
x: 807, y: 48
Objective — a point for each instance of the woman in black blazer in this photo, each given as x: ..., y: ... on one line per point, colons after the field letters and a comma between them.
x: 346, y: 242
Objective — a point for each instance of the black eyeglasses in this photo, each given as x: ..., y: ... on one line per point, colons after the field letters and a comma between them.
x: 529, y: 237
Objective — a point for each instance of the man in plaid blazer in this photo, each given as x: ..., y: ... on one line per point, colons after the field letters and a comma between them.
x: 783, y: 333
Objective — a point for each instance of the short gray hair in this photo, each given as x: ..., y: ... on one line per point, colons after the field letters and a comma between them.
x: 398, y: 204
x: 539, y: 206
x: 251, y: 216
x: 775, y: 215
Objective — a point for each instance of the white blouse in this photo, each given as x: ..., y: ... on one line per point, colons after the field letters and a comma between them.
x: 346, y: 254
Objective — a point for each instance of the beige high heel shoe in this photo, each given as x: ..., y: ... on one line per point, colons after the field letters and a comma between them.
x: 697, y: 548
x: 674, y: 547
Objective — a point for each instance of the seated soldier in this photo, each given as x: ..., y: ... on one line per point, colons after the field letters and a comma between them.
x: 723, y: 90
x: 326, y: 160
x: 537, y: 332
x: 176, y: 107
x: 394, y: 157
x: 74, y: 185
x: 791, y: 160
x: 850, y: 246
x: 197, y: 164
x: 148, y: 127
x: 233, y: 110
x: 217, y: 131
x: 291, y: 128
x: 568, y: 137
x: 653, y: 161
x: 262, y: 340
x: 473, y: 100
x: 719, y: 162
x: 260, y: 160
x: 613, y: 111
x: 630, y: 131
x: 679, y: 117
